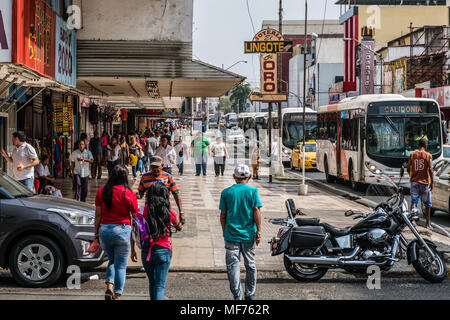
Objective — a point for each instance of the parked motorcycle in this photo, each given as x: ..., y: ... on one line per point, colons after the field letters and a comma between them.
x: 311, y: 248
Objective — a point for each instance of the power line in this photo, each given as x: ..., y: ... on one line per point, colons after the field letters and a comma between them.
x: 250, y: 16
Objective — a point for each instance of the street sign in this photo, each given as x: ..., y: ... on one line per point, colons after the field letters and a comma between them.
x: 268, y: 46
x: 257, y: 96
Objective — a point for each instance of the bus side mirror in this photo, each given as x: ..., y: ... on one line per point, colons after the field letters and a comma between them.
x: 444, y: 132
x: 402, y: 172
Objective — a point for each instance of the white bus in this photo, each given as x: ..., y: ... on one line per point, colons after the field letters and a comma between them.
x: 292, y: 130
x: 380, y: 129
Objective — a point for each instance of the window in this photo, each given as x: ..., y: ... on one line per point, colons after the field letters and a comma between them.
x: 349, y: 139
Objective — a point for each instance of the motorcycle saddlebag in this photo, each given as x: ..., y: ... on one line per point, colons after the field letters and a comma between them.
x: 307, y: 236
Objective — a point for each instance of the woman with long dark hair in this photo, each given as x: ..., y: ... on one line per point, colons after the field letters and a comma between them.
x: 156, y: 260
x: 115, y: 203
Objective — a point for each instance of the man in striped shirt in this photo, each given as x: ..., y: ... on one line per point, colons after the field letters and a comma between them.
x: 156, y: 174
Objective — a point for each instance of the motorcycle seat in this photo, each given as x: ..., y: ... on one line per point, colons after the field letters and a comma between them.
x: 335, y: 232
x: 307, y: 221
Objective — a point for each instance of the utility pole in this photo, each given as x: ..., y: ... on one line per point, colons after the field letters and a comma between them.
x: 303, y: 188
x: 280, y: 84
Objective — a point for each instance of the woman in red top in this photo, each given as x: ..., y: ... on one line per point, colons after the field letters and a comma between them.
x: 159, y: 216
x: 114, y: 205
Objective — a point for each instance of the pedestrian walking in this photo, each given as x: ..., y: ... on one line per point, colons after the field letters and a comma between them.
x: 115, y: 203
x: 200, y: 150
x: 96, y: 148
x: 181, y: 151
x: 114, y: 154
x: 23, y: 159
x: 220, y: 154
x: 420, y: 169
x: 125, y: 150
x: 255, y: 159
x: 151, y: 144
x: 81, y: 159
x: 156, y: 174
x: 135, y: 151
x: 240, y: 217
x: 156, y: 260
x: 167, y: 153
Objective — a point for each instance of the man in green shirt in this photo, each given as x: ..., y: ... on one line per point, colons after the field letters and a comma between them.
x: 240, y: 217
x: 200, y: 150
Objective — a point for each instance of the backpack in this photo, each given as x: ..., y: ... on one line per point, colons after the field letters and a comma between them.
x: 140, y: 232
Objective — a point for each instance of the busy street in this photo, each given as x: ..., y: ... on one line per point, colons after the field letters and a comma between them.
x: 194, y: 150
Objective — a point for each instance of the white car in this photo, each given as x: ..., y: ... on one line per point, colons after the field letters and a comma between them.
x: 440, y: 195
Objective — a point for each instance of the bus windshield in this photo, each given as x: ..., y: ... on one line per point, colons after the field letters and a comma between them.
x: 398, y: 136
x: 293, y: 132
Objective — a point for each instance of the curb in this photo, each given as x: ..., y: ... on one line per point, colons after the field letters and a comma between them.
x: 345, y: 194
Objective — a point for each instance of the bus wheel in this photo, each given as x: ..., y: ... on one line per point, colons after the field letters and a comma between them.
x: 353, y: 183
x: 328, y: 178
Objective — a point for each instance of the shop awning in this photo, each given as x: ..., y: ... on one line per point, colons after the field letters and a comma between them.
x: 124, y: 69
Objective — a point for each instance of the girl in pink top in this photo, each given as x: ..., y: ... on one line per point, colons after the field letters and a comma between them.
x: 159, y: 217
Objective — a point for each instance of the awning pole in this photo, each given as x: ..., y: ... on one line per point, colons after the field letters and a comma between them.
x: 18, y: 98
x: 12, y: 94
x: 31, y: 99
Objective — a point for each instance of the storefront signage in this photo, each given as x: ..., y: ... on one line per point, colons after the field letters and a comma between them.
x: 5, y: 30
x: 34, y: 25
x: 62, y: 119
x: 66, y: 42
x: 268, y: 46
x: 367, y: 67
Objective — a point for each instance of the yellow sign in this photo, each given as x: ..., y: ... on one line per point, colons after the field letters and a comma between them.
x: 257, y: 96
x: 267, y: 46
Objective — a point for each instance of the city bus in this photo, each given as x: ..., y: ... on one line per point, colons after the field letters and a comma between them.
x: 231, y: 120
x: 378, y: 129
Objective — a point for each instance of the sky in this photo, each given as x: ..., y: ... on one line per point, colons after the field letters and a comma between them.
x: 221, y: 27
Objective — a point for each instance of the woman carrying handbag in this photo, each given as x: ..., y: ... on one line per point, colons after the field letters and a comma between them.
x: 115, y: 205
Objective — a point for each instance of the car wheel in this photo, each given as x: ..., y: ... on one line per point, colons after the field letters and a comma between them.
x: 36, y: 261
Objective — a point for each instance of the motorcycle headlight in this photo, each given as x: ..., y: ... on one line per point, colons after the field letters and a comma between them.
x: 74, y: 217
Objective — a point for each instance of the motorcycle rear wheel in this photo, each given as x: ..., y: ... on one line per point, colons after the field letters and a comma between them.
x: 304, y: 273
x: 432, y: 271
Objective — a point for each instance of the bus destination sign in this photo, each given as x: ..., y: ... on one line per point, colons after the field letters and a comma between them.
x: 402, y: 108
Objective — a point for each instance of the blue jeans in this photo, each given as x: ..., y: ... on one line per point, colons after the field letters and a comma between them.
x: 111, y: 165
x: 180, y: 167
x: 138, y: 167
x: 420, y: 192
x: 233, y: 261
x: 157, y: 269
x: 29, y: 183
x: 115, y: 240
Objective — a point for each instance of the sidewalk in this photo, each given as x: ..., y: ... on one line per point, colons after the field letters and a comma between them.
x: 200, y: 246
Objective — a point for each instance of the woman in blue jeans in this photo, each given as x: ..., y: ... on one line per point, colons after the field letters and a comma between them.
x: 156, y: 259
x: 115, y: 203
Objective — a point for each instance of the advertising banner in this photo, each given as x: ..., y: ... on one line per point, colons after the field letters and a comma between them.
x: 5, y: 30
x: 66, y: 53
x: 62, y: 119
x: 34, y: 25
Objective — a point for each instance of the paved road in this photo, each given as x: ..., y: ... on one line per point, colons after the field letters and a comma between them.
x: 214, y: 286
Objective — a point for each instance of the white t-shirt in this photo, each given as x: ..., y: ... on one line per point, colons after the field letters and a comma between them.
x: 219, y: 149
x: 167, y: 154
x: 113, y: 155
x: 41, y: 171
x: 81, y: 167
x: 25, y: 154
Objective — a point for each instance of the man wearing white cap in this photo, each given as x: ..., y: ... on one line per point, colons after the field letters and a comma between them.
x: 240, y: 217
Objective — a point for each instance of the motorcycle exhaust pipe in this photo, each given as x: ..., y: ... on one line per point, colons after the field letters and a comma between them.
x: 323, y: 260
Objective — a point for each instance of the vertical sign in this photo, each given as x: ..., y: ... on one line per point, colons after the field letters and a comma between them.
x: 351, y: 26
x: 66, y: 43
x: 269, y: 66
x: 367, y: 67
x: 34, y: 24
x: 5, y: 30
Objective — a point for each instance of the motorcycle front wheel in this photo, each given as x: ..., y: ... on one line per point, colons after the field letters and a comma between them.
x: 431, y: 270
x: 304, y: 273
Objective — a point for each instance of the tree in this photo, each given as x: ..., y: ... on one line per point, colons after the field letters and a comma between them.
x: 239, y: 97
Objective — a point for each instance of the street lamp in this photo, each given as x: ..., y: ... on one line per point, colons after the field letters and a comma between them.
x: 244, y: 61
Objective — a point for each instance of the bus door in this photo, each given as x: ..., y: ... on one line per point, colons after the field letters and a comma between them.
x: 338, y: 145
x: 361, y: 138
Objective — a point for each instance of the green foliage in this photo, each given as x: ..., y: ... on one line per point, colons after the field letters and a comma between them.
x: 239, y: 97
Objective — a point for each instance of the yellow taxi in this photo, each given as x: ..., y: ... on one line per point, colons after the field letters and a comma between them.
x: 310, y: 156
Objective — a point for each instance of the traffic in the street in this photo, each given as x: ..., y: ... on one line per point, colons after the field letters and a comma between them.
x: 224, y: 150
